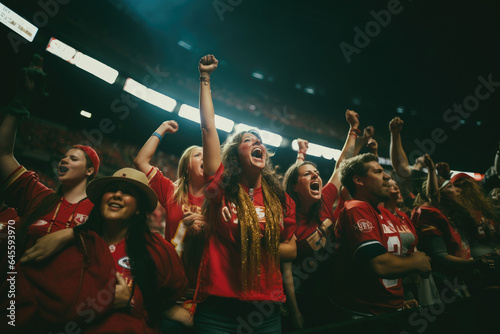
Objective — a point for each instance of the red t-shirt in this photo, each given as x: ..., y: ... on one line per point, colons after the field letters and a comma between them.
x: 220, y: 272
x: 164, y: 189
x: 365, y: 233
x: 430, y: 221
x: 309, y: 236
x: 25, y: 193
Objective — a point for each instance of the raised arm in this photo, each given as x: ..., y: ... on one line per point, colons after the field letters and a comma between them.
x: 143, y: 158
x: 432, y: 181
x: 348, y: 150
x: 211, y: 143
x: 29, y: 83
x: 303, y: 147
x: 399, y: 160
x: 372, y: 146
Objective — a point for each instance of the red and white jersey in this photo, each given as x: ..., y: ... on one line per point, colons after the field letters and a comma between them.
x: 430, y: 221
x: 309, y: 236
x: 164, y: 188
x: 365, y: 232
x: 25, y: 193
x: 406, y: 230
x: 220, y: 272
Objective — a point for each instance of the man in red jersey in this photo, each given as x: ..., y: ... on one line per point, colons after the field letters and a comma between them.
x: 368, y: 279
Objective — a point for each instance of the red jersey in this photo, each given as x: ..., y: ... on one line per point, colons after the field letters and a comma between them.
x: 220, y: 272
x: 312, y: 236
x: 25, y: 193
x: 164, y: 189
x: 365, y: 233
x: 430, y: 221
x: 407, y: 232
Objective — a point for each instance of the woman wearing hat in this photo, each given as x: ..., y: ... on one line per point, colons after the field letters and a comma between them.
x: 252, y: 222
x: 117, y: 276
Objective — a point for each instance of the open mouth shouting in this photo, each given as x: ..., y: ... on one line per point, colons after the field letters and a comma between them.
x: 315, y: 188
x: 257, y: 153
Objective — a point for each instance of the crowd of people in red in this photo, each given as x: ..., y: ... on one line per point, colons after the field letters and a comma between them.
x: 235, y: 237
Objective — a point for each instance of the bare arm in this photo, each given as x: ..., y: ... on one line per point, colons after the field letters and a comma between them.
x: 362, y: 141
x: 179, y: 314
x: 8, y: 130
x: 352, y: 118
x: 303, y: 147
x: 288, y: 250
x: 291, y: 299
x: 398, y: 156
x: 143, y: 158
x: 211, y: 143
x: 48, y: 245
x: 392, y: 266
x: 432, y: 181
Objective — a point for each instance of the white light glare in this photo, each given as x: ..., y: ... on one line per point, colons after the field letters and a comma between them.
x: 151, y: 96
x: 95, y: 67
x: 268, y: 138
x: 309, y: 90
x: 193, y: 114
x: 319, y: 151
x: 85, y: 114
x: 17, y: 23
x: 61, y: 49
x: 185, y: 45
x: 86, y: 63
x: 257, y: 75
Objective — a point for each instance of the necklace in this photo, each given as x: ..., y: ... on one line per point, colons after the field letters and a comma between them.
x: 68, y: 223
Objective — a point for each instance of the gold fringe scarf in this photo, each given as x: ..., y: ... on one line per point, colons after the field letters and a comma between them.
x: 251, y: 256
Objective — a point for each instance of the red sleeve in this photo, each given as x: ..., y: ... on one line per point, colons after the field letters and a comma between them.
x: 428, y: 222
x: 360, y: 230
x: 289, y: 223
x: 161, y: 185
x: 213, y: 191
x: 23, y: 190
x: 329, y: 195
x: 172, y: 280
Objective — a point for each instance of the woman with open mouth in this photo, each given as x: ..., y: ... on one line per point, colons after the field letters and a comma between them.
x: 42, y: 210
x: 309, y: 303
x: 115, y: 277
x: 251, y: 222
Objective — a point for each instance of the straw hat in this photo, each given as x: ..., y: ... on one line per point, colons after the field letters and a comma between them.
x: 96, y: 188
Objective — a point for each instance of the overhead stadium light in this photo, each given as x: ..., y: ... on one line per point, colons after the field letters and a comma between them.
x: 85, y: 114
x: 81, y: 60
x: 17, y: 23
x: 185, y: 45
x: 268, y: 138
x: 258, y: 75
x: 319, y: 151
x: 149, y: 95
x: 193, y: 114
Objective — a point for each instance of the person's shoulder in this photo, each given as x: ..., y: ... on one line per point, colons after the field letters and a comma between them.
x: 353, y: 204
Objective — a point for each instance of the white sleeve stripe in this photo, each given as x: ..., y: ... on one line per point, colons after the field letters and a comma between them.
x: 365, y: 244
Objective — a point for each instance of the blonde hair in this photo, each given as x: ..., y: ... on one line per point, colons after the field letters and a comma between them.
x: 182, y: 184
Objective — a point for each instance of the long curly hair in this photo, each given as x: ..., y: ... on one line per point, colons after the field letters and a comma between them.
x: 290, y: 180
x: 275, y: 205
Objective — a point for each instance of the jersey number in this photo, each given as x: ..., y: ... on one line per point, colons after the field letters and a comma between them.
x: 394, y: 247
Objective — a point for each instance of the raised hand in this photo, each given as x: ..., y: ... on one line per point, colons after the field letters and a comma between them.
x: 207, y: 64
x: 396, y: 125
x: 372, y: 145
x: 429, y: 163
x: 352, y: 118
x: 170, y: 126
x: 303, y: 144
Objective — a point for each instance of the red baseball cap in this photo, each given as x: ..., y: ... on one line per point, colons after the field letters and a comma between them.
x: 460, y: 176
x: 94, y: 158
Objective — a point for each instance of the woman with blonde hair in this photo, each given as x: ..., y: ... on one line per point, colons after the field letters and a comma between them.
x: 252, y: 222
